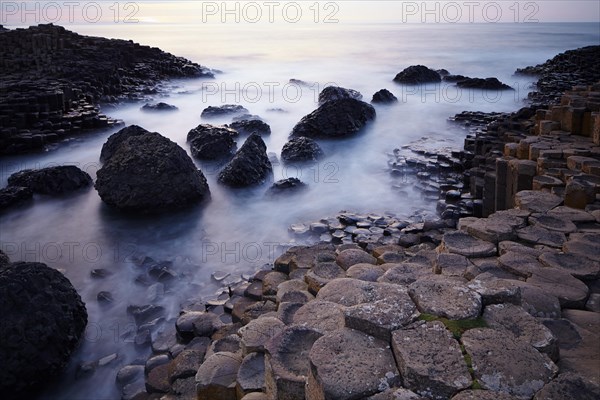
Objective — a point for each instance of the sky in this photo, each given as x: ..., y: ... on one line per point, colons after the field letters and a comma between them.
x: 63, y: 12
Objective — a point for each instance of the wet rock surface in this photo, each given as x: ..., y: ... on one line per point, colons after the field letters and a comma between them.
x: 335, y: 119
x: 13, y: 196
x: 332, y: 93
x: 51, y: 180
x: 250, y: 126
x: 384, y: 96
x: 209, y: 142
x: 224, y: 110
x: 158, y: 107
x: 148, y: 174
x: 249, y: 166
x: 301, y: 149
x: 417, y: 74
x: 480, y: 83
x: 44, y: 318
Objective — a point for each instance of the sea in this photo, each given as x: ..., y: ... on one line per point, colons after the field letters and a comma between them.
x: 239, y: 231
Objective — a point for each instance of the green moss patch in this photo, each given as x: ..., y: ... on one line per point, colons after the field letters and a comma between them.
x: 457, y: 327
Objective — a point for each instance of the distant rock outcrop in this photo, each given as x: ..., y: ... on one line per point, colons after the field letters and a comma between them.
x: 78, y: 73
x: 417, y: 74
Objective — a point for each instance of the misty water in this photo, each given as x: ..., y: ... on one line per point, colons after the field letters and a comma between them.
x: 240, y: 230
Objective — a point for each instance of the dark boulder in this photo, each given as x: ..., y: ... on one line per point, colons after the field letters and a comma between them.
x: 335, y: 119
x: 51, y: 180
x: 284, y: 186
x: 331, y: 93
x: 14, y: 195
x: 479, y: 83
x: 417, y: 74
x: 384, y: 96
x: 301, y: 149
x: 455, y: 78
x: 148, y: 174
x: 158, y: 107
x: 224, y: 110
x: 250, y: 126
x: 43, y: 319
x: 115, y: 140
x: 209, y: 142
x: 249, y: 166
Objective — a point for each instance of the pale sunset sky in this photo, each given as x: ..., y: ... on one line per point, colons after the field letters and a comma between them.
x: 63, y: 12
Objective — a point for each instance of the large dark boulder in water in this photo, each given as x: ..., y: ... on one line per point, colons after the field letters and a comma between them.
x: 224, y: 110
x: 51, y: 180
x: 384, y: 96
x: 331, y: 93
x: 14, y: 195
x: 249, y: 166
x: 250, y: 126
x: 150, y: 173
x: 115, y: 140
x: 43, y: 319
x: 335, y: 119
x: 209, y: 142
x: 301, y: 149
x: 480, y: 83
x: 417, y: 74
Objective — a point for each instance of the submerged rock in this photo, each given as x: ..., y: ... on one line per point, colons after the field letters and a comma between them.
x: 480, y: 83
x: 249, y: 166
x: 14, y: 195
x: 289, y: 185
x: 43, y: 319
x: 224, y: 110
x: 417, y: 74
x: 148, y: 174
x: 52, y: 180
x: 335, y: 119
x: 158, y: 107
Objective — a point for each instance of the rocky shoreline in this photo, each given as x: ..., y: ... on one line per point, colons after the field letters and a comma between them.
x: 499, y: 298
x: 53, y: 82
x: 501, y: 305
